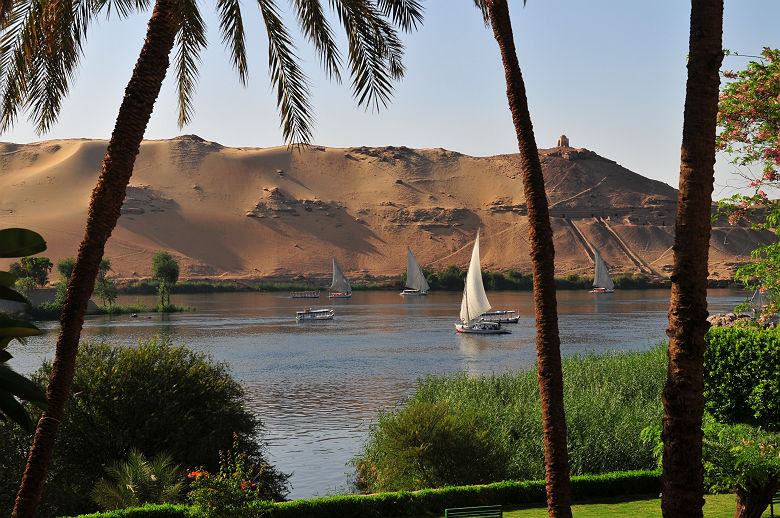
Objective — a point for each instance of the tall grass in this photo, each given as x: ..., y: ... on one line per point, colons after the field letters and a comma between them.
x: 609, y: 399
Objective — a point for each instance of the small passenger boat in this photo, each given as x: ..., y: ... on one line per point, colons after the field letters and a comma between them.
x: 416, y: 285
x: 314, y: 314
x: 602, y: 281
x: 503, y: 317
x: 305, y: 294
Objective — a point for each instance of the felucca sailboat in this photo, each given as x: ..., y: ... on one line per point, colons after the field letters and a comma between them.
x: 340, y: 288
x: 416, y: 284
x: 475, y: 302
x: 602, y: 282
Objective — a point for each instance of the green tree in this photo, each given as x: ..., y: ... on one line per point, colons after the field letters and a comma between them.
x: 105, y: 288
x: 165, y: 270
x: 749, y: 118
x: 746, y: 460
x: 542, y: 250
x: 16, y: 242
x: 137, y: 481
x: 42, y: 53
x: 35, y: 268
x: 65, y: 267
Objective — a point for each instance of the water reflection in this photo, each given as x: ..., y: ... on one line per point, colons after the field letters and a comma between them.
x: 317, y: 385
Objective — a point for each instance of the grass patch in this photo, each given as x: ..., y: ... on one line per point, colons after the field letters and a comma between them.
x: 716, y: 506
x: 117, y: 309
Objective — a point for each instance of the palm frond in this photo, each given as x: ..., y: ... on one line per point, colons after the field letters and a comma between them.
x: 314, y: 25
x: 232, y: 27
x: 407, y: 14
x: 40, y: 48
x: 292, y: 89
x: 375, y: 52
x: 190, y: 40
x: 482, y: 6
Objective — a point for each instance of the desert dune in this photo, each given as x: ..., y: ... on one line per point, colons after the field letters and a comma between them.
x: 281, y: 213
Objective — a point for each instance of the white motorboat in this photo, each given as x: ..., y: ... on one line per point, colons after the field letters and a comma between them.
x: 340, y: 288
x: 314, y: 314
x: 475, y: 302
x: 416, y: 285
x: 602, y: 282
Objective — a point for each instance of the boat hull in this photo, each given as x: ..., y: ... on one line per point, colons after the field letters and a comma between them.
x: 413, y: 293
x: 339, y: 295
x: 481, y: 328
x: 601, y: 290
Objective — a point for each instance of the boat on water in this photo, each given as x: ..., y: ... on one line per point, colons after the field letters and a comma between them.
x: 602, y: 282
x: 340, y: 288
x: 475, y: 302
x: 416, y: 285
x: 305, y: 294
x: 314, y: 314
x: 504, y: 317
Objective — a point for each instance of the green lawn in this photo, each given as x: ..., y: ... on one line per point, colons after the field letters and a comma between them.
x: 717, y: 506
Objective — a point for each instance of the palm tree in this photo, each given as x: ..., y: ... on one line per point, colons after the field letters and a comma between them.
x: 40, y: 45
x: 548, y: 343
x: 682, y: 480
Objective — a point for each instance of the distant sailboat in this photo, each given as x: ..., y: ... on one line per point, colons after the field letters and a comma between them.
x: 340, y: 288
x: 416, y: 284
x: 475, y: 302
x: 602, y: 282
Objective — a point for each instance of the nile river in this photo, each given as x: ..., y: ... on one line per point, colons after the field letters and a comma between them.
x: 318, y: 385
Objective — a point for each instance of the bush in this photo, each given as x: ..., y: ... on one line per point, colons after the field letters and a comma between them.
x: 153, y: 398
x: 609, y: 399
x: 431, y: 501
x: 742, y: 376
x: 235, y: 490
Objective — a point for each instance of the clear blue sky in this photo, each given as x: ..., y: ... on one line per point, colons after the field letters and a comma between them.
x: 609, y: 74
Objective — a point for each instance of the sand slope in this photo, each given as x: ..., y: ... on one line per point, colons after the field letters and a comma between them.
x: 281, y: 213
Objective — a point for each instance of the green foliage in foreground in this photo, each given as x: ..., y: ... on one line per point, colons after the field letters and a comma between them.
x: 609, y: 399
x: 742, y: 376
x: 137, y: 481
x: 429, y: 501
x: 740, y: 458
x: 15, y: 242
x: 153, y: 397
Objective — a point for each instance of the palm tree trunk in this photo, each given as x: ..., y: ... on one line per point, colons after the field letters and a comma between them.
x: 104, y: 210
x: 682, y: 480
x: 548, y: 344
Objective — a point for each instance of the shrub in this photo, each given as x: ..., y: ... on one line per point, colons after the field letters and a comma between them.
x: 139, y: 481
x: 742, y: 376
x: 609, y: 399
x: 235, y: 490
x: 154, y: 398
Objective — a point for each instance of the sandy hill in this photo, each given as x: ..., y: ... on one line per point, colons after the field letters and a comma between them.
x: 281, y: 213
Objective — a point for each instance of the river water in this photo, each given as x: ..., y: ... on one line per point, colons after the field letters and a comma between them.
x: 318, y: 385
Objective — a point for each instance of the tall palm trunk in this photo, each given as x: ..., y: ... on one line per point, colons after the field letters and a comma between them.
x: 107, y: 198
x: 682, y: 480
x: 548, y: 344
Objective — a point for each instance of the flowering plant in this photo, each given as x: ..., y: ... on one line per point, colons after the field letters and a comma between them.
x: 749, y: 118
x: 235, y: 490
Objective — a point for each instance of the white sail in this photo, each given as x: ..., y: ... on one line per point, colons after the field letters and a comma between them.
x: 602, y: 278
x: 340, y: 283
x: 475, y: 300
x: 415, y: 279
